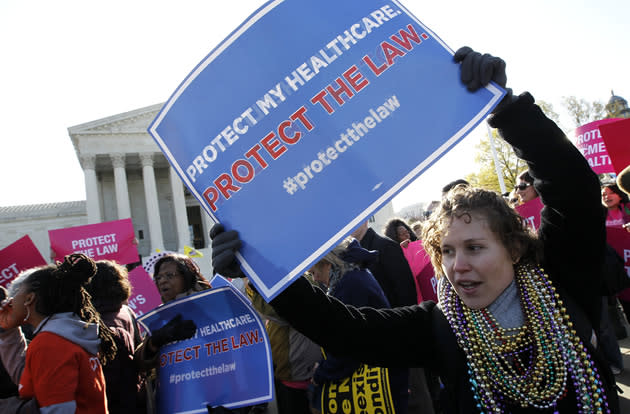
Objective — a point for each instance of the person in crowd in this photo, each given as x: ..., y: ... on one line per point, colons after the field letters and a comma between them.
x: 524, y: 187
x: 393, y: 274
x: 416, y: 226
x: 110, y: 289
x: 391, y: 270
x: 294, y: 357
x: 419, y: 263
x: 343, y: 272
x: 398, y: 230
x: 616, y: 203
x: 515, y: 328
x: 61, y: 371
x: 9, y: 396
x: 614, y: 281
x: 175, y: 276
x: 452, y: 184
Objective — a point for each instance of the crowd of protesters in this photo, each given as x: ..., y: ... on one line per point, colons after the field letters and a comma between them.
x: 468, y: 311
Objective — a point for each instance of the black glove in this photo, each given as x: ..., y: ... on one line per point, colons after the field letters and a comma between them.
x: 175, y: 330
x: 224, y: 247
x: 4, y: 293
x: 478, y: 70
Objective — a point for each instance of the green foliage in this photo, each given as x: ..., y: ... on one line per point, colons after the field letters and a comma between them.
x: 509, y: 165
x: 582, y: 112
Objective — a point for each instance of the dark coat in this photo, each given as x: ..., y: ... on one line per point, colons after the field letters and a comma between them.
x: 391, y: 270
x: 420, y: 335
x: 360, y: 288
x: 121, y: 374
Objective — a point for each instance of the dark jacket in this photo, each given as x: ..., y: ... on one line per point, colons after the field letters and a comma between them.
x: 121, y: 374
x: 421, y: 336
x: 391, y: 270
x: 359, y: 288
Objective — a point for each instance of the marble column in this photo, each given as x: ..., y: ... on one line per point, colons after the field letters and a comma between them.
x: 153, y: 209
x: 179, y: 207
x: 92, y: 199
x: 120, y: 180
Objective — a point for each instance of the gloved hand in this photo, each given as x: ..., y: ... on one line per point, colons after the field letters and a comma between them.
x: 175, y: 330
x: 224, y: 247
x: 478, y: 70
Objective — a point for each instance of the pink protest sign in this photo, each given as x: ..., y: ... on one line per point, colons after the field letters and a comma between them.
x: 19, y: 255
x: 422, y: 270
x: 111, y: 240
x: 144, y: 295
x: 588, y: 139
x: 530, y: 212
x: 617, y: 138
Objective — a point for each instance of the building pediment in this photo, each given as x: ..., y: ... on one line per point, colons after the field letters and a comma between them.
x: 132, y: 122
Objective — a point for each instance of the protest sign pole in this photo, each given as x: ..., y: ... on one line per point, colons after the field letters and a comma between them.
x: 497, y: 167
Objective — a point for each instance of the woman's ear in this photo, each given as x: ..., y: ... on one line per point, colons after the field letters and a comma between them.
x: 30, y: 299
x: 516, y: 253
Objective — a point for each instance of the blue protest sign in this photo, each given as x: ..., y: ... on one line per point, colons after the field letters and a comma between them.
x: 228, y: 361
x: 307, y: 119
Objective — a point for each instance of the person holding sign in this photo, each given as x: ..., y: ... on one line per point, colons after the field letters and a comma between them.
x: 515, y: 328
x: 62, y: 372
x: 176, y: 276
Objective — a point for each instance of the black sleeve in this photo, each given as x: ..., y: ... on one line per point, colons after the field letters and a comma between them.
x: 398, y: 337
x: 399, y: 274
x: 572, y: 228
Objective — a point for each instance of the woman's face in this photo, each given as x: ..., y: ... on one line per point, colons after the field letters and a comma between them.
x: 525, y: 191
x: 610, y: 199
x: 14, y: 310
x: 402, y: 233
x: 169, y: 281
x: 321, y: 272
x: 475, y: 261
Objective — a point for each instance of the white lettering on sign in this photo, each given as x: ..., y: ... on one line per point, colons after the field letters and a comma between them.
x: 9, y: 273
x: 94, y: 241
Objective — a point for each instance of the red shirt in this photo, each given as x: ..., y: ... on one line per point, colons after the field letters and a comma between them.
x: 58, y: 371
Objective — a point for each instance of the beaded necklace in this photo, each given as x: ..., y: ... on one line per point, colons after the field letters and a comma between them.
x: 527, y: 366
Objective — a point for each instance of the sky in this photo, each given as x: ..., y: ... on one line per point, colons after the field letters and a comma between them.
x: 69, y: 62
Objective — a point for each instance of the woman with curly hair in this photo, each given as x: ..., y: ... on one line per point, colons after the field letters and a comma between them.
x: 62, y: 369
x: 110, y: 289
x: 515, y: 328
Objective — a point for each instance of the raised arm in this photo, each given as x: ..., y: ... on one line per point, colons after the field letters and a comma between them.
x: 572, y: 221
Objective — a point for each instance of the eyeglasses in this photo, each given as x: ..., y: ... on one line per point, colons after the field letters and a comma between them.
x: 521, y: 187
x: 168, y: 276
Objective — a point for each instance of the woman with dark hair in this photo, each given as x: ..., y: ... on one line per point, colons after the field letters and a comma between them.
x: 616, y: 203
x: 110, y: 289
x: 524, y: 188
x: 398, y: 230
x: 424, y: 276
x: 514, y: 331
x: 177, y: 276
x: 62, y: 371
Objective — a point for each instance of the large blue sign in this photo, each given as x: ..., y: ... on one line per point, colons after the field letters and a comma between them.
x: 228, y: 361
x: 307, y: 119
